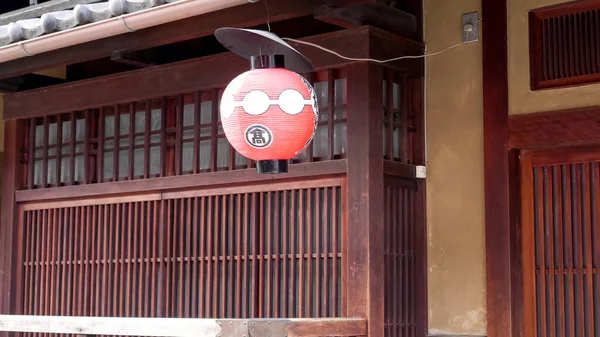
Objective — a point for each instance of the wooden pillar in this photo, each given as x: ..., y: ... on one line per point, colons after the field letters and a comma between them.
x: 496, y: 160
x: 8, y: 232
x: 365, y: 242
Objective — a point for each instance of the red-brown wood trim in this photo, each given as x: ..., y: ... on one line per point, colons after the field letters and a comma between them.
x: 515, y: 228
x: 205, y: 73
x: 564, y: 155
x: 400, y: 170
x: 365, y: 281
x: 527, y: 249
x: 203, y: 180
x: 190, y: 28
x: 556, y: 128
x: 8, y: 232
x: 496, y: 174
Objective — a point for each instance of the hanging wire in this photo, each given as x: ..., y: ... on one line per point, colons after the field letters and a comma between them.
x: 367, y: 59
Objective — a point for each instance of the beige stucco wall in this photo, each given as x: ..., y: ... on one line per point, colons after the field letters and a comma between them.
x: 522, y: 99
x: 455, y: 203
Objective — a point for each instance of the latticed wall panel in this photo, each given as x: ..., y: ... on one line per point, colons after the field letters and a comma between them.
x: 400, y: 262
x: 565, y: 44
x: 242, y: 255
x: 564, y: 257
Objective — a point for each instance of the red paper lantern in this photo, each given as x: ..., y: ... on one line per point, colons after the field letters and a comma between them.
x: 269, y: 115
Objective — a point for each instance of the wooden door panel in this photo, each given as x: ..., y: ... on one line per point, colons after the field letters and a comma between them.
x: 561, y: 242
x: 247, y: 254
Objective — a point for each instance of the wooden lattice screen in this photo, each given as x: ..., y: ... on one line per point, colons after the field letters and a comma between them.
x: 400, y: 262
x: 561, y: 248
x: 565, y: 42
x: 242, y: 255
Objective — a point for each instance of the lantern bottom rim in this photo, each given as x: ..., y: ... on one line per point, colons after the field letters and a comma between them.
x: 272, y: 166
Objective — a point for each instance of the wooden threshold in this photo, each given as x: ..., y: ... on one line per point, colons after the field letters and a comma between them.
x: 213, y: 180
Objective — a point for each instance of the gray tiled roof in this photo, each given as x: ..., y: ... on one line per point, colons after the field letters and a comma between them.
x: 79, y: 15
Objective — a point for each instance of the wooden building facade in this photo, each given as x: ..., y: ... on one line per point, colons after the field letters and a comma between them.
x: 122, y: 197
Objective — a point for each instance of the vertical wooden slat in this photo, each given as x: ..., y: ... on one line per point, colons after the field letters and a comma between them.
x: 147, y: 139
x: 223, y: 255
x: 27, y: 225
x: 117, y: 144
x: 309, y: 265
x: 247, y: 312
x: 163, y: 137
x: 194, y: 224
x: 214, y: 254
x: 568, y: 216
x: 101, y: 144
x: 240, y: 207
x: 549, y: 270
x: 105, y: 258
x: 276, y: 239
x: 287, y: 253
x: 559, y: 239
x: 31, y: 156
x: 261, y: 256
x: 214, y: 131
x: 301, y: 237
x: 131, y: 161
x: 578, y: 209
x: 58, y: 149
x: 540, y: 207
x: 318, y: 296
x: 44, y: 177
x: 202, y: 310
x: 190, y: 258
x: 197, y: 122
x: 327, y: 224
x: 334, y: 246
x: 389, y: 106
x: 179, y: 136
x: 331, y: 112
x: 209, y: 251
x: 588, y: 273
x: 86, y: 147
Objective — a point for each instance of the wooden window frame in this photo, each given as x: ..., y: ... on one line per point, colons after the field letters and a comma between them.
x: 537, y: 52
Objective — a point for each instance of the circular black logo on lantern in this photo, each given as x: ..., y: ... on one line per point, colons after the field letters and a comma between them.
x: 258, y: 136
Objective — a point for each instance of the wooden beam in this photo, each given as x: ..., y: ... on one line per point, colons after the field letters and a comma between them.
x: 37, y: 11
x: 496, y: 173
x: 365, y: 223
x: 191, y: 28
x: 138, y: 58
x: 372, y: 14
x: 223, y: 179
x: 403, y: 170
x: 555, y: 128
x: 27, y: 82
x: 203, y: 73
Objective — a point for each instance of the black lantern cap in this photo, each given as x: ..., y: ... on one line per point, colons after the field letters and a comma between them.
x: 267, y: 61
x: 251, y: 42
x: 272, y: 166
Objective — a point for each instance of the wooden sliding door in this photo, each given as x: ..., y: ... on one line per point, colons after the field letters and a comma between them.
x: 255, y: 251
x: 561, y: 242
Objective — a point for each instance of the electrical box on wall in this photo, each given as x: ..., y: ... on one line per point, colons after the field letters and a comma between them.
x: 470, y: 25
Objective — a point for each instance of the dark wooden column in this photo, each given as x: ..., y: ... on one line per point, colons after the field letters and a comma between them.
x: 365, y: 278
x: 496, y: 160
x: 8, y: 232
